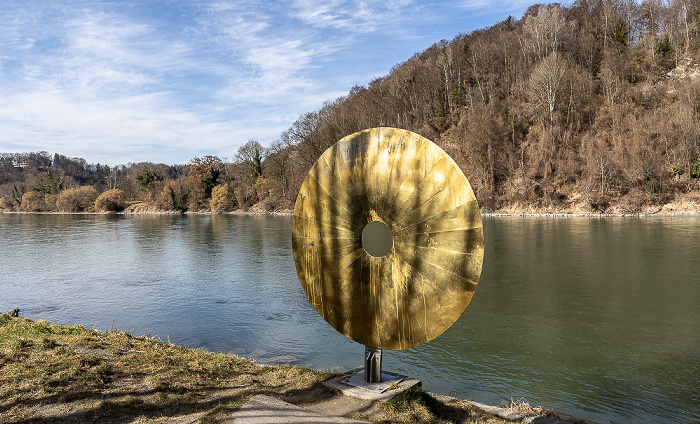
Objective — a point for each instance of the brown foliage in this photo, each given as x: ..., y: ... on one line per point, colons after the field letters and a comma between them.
x: 223, y: 198
x: 50, y: 200
x: 566, y: 103
x: 77, y: 199
x: 174, y: 195
x: 263, y: 188
x: 7, y: 203
x: 111, y: 201
x: 245, y: 195
x: 33, y: 201
x: 203, y: 174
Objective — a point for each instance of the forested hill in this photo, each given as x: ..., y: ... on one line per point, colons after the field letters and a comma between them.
x: 589, y: 108
x: 583, y: 107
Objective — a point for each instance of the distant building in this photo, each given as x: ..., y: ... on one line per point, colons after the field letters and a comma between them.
x: 20, y: 163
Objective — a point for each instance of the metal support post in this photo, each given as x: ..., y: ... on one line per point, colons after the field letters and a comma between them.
x: 373, y: 365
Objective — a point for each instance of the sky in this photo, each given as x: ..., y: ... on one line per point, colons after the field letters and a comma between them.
x: 117, y: 82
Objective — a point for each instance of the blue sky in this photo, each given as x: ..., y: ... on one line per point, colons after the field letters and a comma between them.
x: 165, y: 81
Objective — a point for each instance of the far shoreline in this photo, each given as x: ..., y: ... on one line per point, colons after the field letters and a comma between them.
x: 501, y: 213
x: 496, y: 214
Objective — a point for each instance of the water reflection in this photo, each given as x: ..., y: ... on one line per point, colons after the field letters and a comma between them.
x: 597, y: 318
x: 590, y: 308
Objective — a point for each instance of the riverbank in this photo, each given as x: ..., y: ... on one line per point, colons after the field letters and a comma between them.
x: 59, y: 373
x: 684, y: 204
x: 505, y: 212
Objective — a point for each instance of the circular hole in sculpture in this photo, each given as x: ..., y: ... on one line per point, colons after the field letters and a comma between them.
x: 377, y: 239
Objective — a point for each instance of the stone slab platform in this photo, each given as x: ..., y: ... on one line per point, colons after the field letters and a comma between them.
x: 352, y: 384
x: 263, y: 409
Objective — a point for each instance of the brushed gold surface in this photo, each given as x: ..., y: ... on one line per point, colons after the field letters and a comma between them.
x: 423, y: 284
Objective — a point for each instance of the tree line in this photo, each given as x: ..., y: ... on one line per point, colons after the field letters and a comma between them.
x: 36, y: 182
x: 595, y: 104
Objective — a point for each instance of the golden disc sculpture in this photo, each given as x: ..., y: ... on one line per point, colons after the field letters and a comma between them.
x: 387, y: 238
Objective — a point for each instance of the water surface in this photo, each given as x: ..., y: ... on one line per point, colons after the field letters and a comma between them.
x: 598, y: 318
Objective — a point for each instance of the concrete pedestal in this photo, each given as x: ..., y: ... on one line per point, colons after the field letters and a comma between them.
x: 353, y: 384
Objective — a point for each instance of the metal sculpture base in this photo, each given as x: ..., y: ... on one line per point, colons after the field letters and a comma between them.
x: 388, y: 380
x: 353, y: 383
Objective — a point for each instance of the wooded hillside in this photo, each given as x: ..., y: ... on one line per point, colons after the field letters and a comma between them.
x: 593, y: 107
x: 585, y: 106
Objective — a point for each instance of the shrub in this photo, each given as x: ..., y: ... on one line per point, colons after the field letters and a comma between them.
x: 223, y: 198
x: 173, y: 196
x: 244, y: 196
x: 151, y: 181
x: 203, y: 174
x: 33, y: 201
x: 76, y: 199
x: 50, y: 200
x: 664, y: 47
x: 269, y: 204
x: 111, y: 201
x: 6, y: 203
x: 694, y: 169
x: 263, y: 188
x: 598, y: 203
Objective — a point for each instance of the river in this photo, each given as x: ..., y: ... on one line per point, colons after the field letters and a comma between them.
x: 598, y: 318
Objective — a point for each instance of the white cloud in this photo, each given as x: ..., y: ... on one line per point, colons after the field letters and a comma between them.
x: 115, y: 130
x: 275, y: 58
x: 354, y: 16
x: 488, y: 6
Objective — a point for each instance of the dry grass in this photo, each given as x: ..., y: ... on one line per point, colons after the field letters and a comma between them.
x: 68, y: 374
x: 74, y: 374
x: 525, y: 408
x: 418, y: 406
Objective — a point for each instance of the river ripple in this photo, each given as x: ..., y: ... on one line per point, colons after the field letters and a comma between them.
x: 597, y: 318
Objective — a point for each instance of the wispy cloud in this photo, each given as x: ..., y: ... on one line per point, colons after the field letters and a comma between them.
x: 485, y: 7
x: 123, y: 81
x: 354, y: 16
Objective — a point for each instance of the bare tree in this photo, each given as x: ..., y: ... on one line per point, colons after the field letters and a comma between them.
x: 277, y: 165
x: 546, y: 30
x: 545, y: 83
x: 611, y: 85
x: 651, y: 16
x: 680, y: 21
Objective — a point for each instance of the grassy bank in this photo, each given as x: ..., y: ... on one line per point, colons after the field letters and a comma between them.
x: 61, y: 373
x: 70, y: 373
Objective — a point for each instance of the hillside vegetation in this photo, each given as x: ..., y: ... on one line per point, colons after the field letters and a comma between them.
x: 589, y: 108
